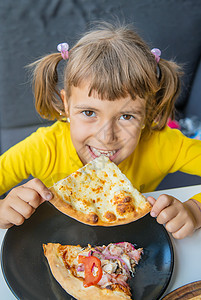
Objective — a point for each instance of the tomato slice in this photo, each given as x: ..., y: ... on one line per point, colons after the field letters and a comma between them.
x: 89, y: 263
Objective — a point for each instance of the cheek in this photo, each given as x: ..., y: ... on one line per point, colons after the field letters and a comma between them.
x: 79, y: 131
x: 130, y: 137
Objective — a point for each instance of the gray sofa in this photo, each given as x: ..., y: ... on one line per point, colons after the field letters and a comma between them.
x: 30, y: 29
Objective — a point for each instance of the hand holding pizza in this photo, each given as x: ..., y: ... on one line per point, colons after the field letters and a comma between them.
x: 22, y: 202
x: 180, y: 219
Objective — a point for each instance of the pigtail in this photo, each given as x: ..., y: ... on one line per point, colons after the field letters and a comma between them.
x: 48, y: 102
x: 169, y: 90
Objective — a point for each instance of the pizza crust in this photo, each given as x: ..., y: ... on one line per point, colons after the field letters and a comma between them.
x: 74, y: 285
x: 93, y: 218
x: 99, y: 194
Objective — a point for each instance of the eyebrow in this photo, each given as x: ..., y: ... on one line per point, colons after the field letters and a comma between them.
x: 86, y: 107
x: 83, y: 106
x: 123, y: 112
x: 133, y: 111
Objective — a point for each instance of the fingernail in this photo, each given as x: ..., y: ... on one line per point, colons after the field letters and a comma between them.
x: 153, y: 214
x: 48, y: 196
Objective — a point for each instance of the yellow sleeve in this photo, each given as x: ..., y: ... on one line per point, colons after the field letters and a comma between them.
x: 29, y: 157
x: 197, y: 197
x: 48, y: 154
x: 178, y: 153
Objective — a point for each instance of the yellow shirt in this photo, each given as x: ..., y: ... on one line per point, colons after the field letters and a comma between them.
x: 48, y: 154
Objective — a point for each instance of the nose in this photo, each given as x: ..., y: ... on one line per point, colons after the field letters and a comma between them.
x: 107, y: 133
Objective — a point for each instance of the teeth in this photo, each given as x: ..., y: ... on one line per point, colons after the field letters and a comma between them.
x: 101, y: 152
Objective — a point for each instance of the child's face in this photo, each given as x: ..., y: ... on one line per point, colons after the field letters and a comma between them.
x: 112, y: 128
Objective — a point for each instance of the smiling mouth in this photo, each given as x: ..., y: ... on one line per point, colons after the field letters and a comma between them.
x: 96, y: 152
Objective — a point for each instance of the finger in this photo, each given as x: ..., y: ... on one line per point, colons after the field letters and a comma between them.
x: 174, y: 224
x: 29, y: 196
x: 23, y: 208
x: 167, y: 214
x: 161, y: 203
x: 181, y: 226
x: 13, y: 217
x: 40, y: 188
x: 184, y: 231
x: 151, y: 200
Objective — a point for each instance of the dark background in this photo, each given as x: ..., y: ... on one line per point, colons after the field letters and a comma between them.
x: 30, y: 29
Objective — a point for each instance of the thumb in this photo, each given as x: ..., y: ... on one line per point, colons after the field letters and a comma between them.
x: 152, y: 201
x: 40, y: 188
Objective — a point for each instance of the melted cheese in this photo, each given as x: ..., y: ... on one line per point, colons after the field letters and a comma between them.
x: 100, y: 188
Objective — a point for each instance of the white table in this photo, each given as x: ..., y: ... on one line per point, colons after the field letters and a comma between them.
x: 187, y: 262
x: 187, y: 252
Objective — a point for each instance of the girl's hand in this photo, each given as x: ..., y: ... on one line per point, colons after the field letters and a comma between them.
x: 22, y: 202
x: 178, y: 217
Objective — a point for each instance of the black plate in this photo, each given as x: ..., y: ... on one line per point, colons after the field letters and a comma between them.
x: 26, y: 270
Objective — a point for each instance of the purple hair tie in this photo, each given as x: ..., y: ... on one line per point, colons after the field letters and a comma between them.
x: 63, y: 48
x: 157, y: 53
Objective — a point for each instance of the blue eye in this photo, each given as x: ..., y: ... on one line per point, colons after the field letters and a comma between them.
x: 126, y: 117
x: 88, y: 113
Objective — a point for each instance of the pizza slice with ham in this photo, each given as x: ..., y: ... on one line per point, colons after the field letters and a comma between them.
x: 99, y: 194
x: 99, y: 272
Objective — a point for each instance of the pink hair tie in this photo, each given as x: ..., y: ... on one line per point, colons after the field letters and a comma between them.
x: 63, y: 48
x: 157, y: 53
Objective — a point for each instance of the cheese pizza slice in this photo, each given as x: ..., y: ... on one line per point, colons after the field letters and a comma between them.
x: 99, y: 194
x: 99, y: 272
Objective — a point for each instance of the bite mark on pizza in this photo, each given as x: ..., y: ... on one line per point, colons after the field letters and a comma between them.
x: 99, y: 272
x: 99, y: 194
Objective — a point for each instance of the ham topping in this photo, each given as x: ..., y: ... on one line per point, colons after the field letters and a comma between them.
x: 118, y: 262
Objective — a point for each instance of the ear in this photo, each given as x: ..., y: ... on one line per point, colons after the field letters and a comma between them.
x: 63, y: 98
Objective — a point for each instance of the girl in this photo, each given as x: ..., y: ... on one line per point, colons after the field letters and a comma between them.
x: 117, y: 97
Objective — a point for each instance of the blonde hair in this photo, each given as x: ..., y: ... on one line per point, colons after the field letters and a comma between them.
x: 115, y: 62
